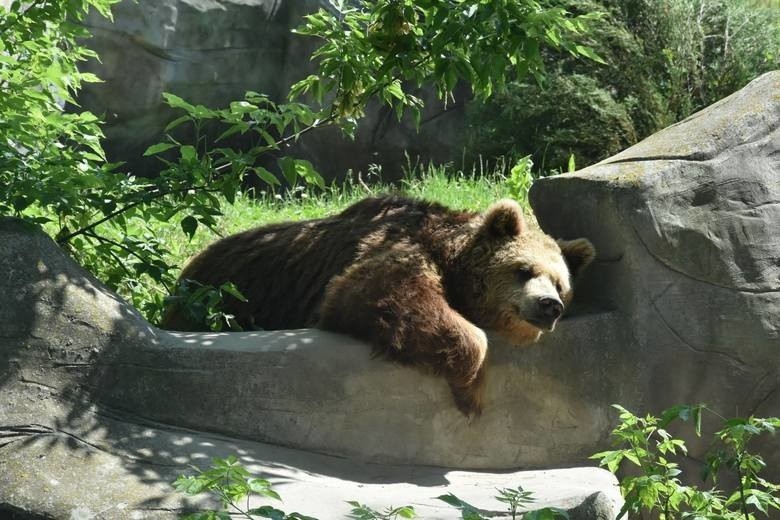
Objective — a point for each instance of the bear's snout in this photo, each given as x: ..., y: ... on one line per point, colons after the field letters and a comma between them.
x: 551, y: 308
x: 548, y: 311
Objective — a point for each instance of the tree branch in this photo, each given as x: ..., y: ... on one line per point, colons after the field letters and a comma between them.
x: 93, y: 225
x: 283, y: 142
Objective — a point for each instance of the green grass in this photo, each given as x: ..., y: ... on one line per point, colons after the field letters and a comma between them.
x: 435, y: 183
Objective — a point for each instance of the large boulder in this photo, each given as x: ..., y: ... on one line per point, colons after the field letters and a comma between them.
x: 687, y: 225
x: 211, y: 52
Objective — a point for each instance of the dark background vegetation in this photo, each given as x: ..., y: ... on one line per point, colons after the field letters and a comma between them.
x: 664, y: 61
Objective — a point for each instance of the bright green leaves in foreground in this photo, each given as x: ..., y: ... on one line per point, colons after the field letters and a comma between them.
x: 233, y: 485
x: 52, y: 166
x: 657, y: 487
x: 653, y: 486
x: 51, y: 163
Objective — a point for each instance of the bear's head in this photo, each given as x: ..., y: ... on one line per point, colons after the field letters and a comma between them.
x: 520, y: 279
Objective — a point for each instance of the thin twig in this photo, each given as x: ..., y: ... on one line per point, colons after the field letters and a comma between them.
x: 282, y: 142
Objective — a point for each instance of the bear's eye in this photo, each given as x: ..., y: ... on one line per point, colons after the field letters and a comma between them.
x: 559, y: 287
x: 524, y: 274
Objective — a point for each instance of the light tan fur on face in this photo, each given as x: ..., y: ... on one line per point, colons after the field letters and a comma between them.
x: 522, y: 271
x: 521, y: 266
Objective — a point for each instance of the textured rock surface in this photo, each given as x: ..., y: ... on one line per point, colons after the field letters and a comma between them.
x: 211, y: 52
x: 687, y: 225
x: 86, y: 385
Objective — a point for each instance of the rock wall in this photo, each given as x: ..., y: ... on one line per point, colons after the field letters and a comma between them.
x: 211, y: 52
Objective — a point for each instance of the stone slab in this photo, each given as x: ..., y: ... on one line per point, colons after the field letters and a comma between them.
x: 100, y: 464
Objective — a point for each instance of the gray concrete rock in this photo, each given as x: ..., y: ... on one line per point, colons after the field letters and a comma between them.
x: 99, y: 412
x: 687, y: 225
x: 211, y: 52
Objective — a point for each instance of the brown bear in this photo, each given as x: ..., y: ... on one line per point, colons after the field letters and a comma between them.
x: 416, y: 280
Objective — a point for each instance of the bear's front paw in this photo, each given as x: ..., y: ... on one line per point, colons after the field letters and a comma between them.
x: 468, y: 400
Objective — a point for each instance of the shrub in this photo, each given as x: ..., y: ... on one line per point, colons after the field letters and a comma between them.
x: 233, y: 486
x: 657, y: 487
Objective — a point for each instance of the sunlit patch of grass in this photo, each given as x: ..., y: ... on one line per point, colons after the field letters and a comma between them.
x: 474, y: 191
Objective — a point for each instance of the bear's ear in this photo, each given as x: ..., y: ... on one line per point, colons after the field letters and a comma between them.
x: 504, y: 219
x: 578, y: 254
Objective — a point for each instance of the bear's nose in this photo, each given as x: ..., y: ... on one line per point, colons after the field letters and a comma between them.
x: 551, y: 308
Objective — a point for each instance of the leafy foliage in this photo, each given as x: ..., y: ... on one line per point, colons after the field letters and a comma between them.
x: 467, y: 511
x: 662, y: 61
x: 205, y: 304
x: 232, y: 484
x: 521, y: 177
x: 704, y: 50
x: 645, y: 443
x: 385, y: 48
x: 48, y: 159
x: 50, y: 162
x: 514, y: 498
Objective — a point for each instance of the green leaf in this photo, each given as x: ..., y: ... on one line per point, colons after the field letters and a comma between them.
x: 242, y: 107
x: 630, y: 455
x: 267, y: 176
x: 589, y: 53
x: 189, y: 224
x: 547, y: 513
x: 188, y: 152
x: 468, y: 512
x: 234, y: 129
x: 611, y: 459
x: 753, y: 500
x: 175, y: 101
x: 451, y: 499
x: 306, y: 170
x: 395, y: 90
x: 176, y: 122
x: 190, y: 485
x: 268, y: 512
x: 158, y: 148
x: 290, y: 173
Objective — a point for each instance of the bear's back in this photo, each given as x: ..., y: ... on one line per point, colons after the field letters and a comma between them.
x: 283, y: 269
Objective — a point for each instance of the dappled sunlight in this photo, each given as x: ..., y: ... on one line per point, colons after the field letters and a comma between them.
x: 260, y: 341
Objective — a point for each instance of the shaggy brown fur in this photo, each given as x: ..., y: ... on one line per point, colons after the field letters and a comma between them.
x: 416, y: 280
